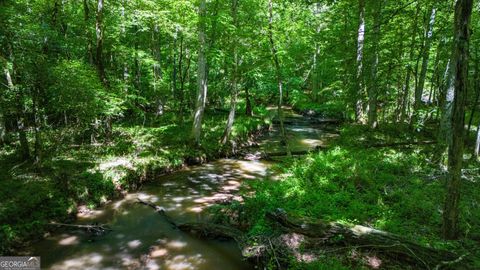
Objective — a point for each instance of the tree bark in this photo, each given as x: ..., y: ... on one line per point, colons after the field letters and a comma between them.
x: 88, y: 47
x: 373, y: 89
x: 234, y: 92
x: 278, y: 70
x: 201, y: 75
x: 425, y: 58
x: 463, y: 10
x: 99, y: 34
x: 409, y: 69
x: 476, y: 82
x: 175, y: 66
x: 477, y: 142
x: 359, y: 83
x: 21, y: 126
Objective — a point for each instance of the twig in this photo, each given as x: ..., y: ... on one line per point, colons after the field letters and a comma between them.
x: 274, y: 255
x: 447, y: 263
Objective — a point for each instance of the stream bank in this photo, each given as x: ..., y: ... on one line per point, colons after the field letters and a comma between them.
x: 141, y: 237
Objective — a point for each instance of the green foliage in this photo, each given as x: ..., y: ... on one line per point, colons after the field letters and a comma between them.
x: 390, y: 189
x: 77, y: 92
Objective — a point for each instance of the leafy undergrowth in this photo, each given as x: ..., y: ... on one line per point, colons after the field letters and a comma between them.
x: 392, y: 189
x: 73, y: 174
x: 329, y: 107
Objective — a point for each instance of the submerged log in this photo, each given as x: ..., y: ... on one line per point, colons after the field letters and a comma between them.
x: 160, y: 210
x: 97, y: 229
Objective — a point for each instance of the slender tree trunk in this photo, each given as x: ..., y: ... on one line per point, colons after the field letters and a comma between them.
x: 123, y: 35
x: 409, y: 69
x: 21, y: 128
x: 248, y: 103
x: 279, y: 76
x: 99, y: 33
x: 174, y: 73
x: 425, y: 58
x: 88, y: 47
x: 359, y: 83
x: 201, y: 75
x: 36, y: 126
x: 3, y: 129
x: 373, y: 89
x: 234, y: 92
x: 315, y: 75
x: 183, y: 79
x: 476, y: 82
x: 463, y: 10
x: 446, y: 104
x: 435, y: 75
x: 180, y: 74
x: 477, y: 142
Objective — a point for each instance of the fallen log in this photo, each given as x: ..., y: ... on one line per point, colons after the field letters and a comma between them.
x: 97, y: 229
x: 395, y: 144
x: 318, y: 237
x: 367, y: 238
x: 160, y: 210
x: 294, y: 153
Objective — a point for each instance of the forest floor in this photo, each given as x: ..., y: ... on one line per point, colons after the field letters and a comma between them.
x: 72, y: 174
x: 384, y: 179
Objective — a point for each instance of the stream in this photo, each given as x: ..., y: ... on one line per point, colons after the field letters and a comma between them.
x: 141, y: 239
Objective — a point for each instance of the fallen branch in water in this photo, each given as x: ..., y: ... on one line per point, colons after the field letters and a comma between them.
x: 97, y: 229
x: 160, y: 210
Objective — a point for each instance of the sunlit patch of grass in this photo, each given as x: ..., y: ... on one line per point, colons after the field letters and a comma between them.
x: 393, y: 189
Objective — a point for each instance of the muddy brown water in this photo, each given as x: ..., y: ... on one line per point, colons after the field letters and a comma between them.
x: 142, y: 239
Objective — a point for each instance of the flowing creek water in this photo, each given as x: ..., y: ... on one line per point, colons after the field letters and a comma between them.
x: 142, y: 239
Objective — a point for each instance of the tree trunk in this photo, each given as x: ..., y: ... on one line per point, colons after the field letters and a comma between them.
x: 315, y: 75
x: 88, y: 47
x: 446, y: 102
x: 3, y: 130
x: 409, y: 69
x: 21, y: 128
x: 279, y: 76
x: 477, y: 142
x: 463, y: 10
x: 233, y: 102
x: 425, y: 58
x: 36, y: 126
x: 174, y: 73
x: 373, y: 89
x: 248, y: 103
x: 201, y: 75
x: 99, y: 33
x: 123, y: 35
x: 359, y: 83
x: 476, y: 81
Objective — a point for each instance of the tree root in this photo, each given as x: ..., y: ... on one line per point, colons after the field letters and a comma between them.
x: 302, y: 237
